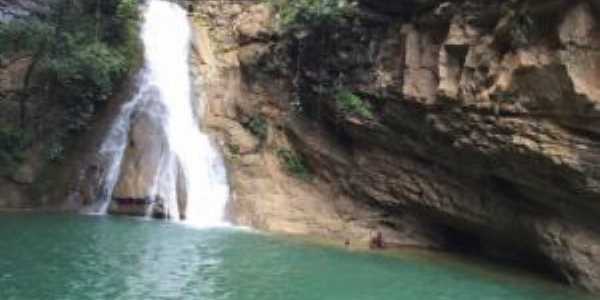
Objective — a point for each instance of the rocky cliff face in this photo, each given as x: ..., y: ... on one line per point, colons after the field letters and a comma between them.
x: 250, y: 119
x: 466, y: 125
x: 34, y: 182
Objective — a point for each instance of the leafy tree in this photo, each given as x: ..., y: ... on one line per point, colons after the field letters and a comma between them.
x: 80, y: 53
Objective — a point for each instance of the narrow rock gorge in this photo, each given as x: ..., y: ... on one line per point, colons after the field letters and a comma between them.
x: 453, y: 125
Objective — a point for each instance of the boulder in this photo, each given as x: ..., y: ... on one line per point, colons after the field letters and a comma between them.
x: 151, y: 179
x: 146, y: 148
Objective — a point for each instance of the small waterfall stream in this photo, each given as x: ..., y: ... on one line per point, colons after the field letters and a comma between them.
x: 165, y: 94
x: 112, y: 150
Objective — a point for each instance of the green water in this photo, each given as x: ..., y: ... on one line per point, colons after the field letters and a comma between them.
x: 72, y: 257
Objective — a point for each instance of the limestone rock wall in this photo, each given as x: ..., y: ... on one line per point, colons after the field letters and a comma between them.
x: 229, y: 36
x: 481, y: 137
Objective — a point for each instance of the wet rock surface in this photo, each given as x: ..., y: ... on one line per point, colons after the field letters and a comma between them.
x: 145, y: 154
x: 146, y: 173
x: 146, y: 149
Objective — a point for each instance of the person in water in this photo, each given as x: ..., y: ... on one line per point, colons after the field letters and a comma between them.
x: 377, y: 241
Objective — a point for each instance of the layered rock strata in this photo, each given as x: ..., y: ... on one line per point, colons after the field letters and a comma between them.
x: 481, y: 132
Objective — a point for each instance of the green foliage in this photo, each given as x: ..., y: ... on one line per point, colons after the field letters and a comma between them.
x: 83, y: 51
x: 128, y: 18
x: 88, y: 64
x: 349, y: 103
x: 259, y: 127
x: 127, y: 13
x: 89, y: 73
x: 293, y: 163
x: 13, y: 143
x: 20, y: 36
x: 311, y: 12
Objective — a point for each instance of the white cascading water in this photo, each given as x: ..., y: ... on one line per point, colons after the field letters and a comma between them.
x: 167, y: 38
x: 113, y: 149
x: 166, y: 35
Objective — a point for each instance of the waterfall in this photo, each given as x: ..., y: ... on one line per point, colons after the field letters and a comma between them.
x: 190, y: 167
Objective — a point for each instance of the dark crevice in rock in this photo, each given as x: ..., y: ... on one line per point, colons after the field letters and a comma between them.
x: 498, y: 249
